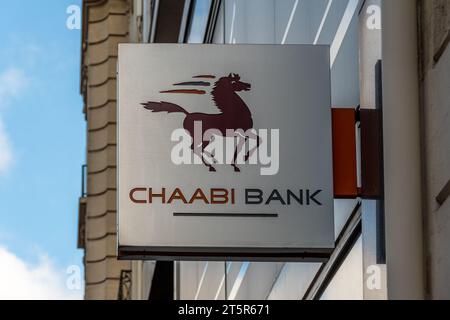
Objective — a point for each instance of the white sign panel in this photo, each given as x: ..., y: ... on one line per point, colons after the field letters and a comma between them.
x: 224, y: 152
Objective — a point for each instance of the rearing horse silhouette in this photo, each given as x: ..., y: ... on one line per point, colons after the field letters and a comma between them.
x: 235, y: 115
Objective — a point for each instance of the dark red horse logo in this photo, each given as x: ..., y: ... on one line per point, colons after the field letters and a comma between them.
x: 235, y: 114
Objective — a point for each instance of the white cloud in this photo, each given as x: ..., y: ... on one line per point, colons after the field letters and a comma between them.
x: 21, y: 280
x: 6, y: 154
x: 12, y: 83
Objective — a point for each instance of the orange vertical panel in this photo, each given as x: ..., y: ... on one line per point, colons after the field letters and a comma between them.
x: 344, y: 153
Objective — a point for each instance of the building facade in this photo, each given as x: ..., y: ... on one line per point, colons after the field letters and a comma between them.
x: 385, y: 55
x: 434, y: 19
x: 105, y: 24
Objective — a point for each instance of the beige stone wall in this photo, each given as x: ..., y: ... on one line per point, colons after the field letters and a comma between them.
x: 435, y: 95
x: 106, y: 24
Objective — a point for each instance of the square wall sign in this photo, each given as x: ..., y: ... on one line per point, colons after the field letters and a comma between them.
x: 224, y: 152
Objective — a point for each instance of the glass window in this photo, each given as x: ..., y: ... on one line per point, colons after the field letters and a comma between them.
x: 347, y: 283
x: 328, y: 22
x: 147, y: 15
x: 199, y: 21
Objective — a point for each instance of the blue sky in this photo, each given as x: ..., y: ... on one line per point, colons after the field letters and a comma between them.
x: 42, y: 134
